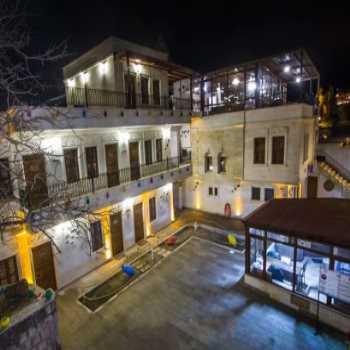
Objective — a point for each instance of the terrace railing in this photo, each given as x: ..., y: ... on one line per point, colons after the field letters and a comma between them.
x: 108, y: 180
x: 96, y: 97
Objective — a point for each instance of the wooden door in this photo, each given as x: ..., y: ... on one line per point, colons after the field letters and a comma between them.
x: 35, y: 177
x: 312, y: 182
x: 44, y: 268
x: 134, y: 160
x: 138, y: 222
x: 91, y: 162
x: 116, y: 227
x: 8, y: 271
x: 130, y: 89
x: 112, y: 165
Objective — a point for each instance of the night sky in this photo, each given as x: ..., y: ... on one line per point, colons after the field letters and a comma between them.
x: 203, y: 35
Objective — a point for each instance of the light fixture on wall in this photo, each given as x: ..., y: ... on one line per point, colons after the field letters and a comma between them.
x: 235, y: 81
x: 103, y: 68
x: 286, y: 69
x: 298, y: 80
x: 166, y: 132
x: 138, y: 68
x: 124, y: 137
x: 71, y: 83
x: 251, y: 86
x: 85, y: 76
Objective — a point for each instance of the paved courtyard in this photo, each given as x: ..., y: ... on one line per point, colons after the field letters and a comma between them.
x: 193, y: 300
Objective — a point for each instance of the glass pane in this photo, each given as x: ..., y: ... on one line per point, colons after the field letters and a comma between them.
x: 343, y: 268
x: 308, y: 269
x: 256, y: 232
x: 278, y: 237
x: 279, y: 264
x: 323, y: 248
x: 345, y: 253
x: 256, y: 256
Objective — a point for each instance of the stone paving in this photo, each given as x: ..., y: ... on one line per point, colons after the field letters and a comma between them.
x: 194, y: 299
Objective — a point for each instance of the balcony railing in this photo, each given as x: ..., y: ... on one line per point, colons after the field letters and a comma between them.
x: 108, y: 180
x: 96, y: 97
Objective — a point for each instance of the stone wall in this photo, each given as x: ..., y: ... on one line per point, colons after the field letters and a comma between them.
x: 37, y: 331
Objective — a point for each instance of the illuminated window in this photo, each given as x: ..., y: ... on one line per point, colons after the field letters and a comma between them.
x: 208, y: 163
x: 221, y: 163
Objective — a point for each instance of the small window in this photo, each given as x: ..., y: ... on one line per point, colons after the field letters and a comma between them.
x: 216, y: 192
x: 148, y: 152
x: 221, y: 164
x: 256, y: 193
x: 208, y: 160
x: 259, y: 150
x: 96, y: 236
x: 269, y: 194
x: 159, y: 150
x: 210, y: 191
x: 152, y: 209
x: 278, y: 150
x: 71, y: 164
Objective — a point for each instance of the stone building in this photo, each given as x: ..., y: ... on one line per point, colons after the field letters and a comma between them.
x: 104, y: 172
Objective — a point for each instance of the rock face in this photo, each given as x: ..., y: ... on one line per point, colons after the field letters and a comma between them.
x: 37, y: 331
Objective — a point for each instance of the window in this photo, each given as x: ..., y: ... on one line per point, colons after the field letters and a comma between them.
x: 256, y: 256
x: 8, y: 271
x: 344, y: 269
x: 259, y: 150
x: 5, y: 178
x: 159, y: 150
x: 309, y: 265
x: 256, y: 193
x: 156, y: 92
x: 279, y: 264
x: 96, y: 236
x: 208, y: 163
x: 71, y: 164
x: 144, y: 91
x: 213, y: 191
x: 269, y: 194
x: 148, y: 152
x: 91, y: 161
x: 221, y: 164
x: 278, y: 150
x: 306, y: 148
x: 152, y: 209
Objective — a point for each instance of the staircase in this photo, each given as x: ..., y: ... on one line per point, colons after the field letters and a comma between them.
x: 334, y: 171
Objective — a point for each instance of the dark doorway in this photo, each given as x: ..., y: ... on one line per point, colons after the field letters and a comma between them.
x: 35, y: 177
x: 44, y: 267
x: 312, y: 182
x: 134, y: 160
x: 116, y: 233
x: 112, y: 165
x: 130, y: 89
x: 138, y: 222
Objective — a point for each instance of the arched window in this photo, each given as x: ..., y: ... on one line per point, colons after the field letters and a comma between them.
x: 221, y: 163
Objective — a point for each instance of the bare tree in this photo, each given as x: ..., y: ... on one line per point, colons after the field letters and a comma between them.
x: 21, y: 131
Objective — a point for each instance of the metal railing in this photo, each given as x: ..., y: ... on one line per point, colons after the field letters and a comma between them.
x: 95, y: 97
x: 108, y: 180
